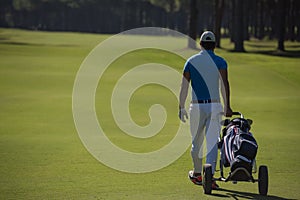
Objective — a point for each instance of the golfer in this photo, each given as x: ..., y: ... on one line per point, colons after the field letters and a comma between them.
x: 207, y: 73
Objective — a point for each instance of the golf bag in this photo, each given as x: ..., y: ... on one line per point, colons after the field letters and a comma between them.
x: 239, y: 148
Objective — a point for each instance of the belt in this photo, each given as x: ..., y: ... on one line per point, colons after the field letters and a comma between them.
x: 206, y: 101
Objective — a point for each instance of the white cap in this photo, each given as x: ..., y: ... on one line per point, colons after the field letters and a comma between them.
x: 208, y: 36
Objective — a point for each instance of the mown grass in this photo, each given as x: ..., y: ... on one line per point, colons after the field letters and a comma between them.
x: 42, y: 156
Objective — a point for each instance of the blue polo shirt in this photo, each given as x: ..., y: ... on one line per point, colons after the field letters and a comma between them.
x: 204, y: 73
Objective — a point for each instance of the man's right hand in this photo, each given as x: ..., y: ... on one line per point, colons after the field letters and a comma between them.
x: 227, y: 112
x: 183, y: 114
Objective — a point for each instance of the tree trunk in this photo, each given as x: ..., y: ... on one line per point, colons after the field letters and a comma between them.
x: 219, y: 7
x: 281, y: 9
x: 297, y: 22
x: 193, y: 24
x: 260, y: 21
x: 239, y: 33
x: 255, y: 23
x: 232, y: 19
x: 171, y: 15
x: 246, y: 6
x: 291, y: 21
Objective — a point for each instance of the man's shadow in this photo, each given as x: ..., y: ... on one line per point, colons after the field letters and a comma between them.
x: 232, y: 194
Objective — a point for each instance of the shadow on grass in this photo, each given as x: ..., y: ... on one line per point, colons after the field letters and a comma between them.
x: 244, y: 195
x: 4, y: 41
x: 286, y: 53
x: 258, y: 45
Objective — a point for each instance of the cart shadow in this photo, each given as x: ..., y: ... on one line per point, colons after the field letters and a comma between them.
x: 244, y: 195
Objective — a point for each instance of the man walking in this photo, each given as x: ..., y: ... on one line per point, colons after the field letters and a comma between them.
x: 205, y: 70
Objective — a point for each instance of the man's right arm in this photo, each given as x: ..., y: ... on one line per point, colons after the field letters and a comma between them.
x: 225, y: 89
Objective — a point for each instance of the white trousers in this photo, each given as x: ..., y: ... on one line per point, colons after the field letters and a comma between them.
x: 205, y: 129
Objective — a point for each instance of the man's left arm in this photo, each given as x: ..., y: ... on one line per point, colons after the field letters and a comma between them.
x: 183, y: 94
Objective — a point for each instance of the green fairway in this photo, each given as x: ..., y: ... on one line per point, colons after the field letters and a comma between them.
x: 42, y: 156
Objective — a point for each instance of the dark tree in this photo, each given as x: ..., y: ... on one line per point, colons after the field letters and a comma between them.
x: 219, y: 7
x: 246, y: 6
x: 238, y: 27
x: 291, y: 25
x: 193, y: 24
x: 232, y: 17
x: 281, y: 13
x: 297, y: 21
x: 260, y: 24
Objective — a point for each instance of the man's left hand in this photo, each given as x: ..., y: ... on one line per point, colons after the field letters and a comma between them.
x: 183, y: 114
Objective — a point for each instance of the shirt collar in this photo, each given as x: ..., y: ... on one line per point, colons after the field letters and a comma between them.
x: 208, y: 51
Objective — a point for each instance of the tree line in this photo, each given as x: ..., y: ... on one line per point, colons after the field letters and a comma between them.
x: 97, y: 16
x: 237, y: 19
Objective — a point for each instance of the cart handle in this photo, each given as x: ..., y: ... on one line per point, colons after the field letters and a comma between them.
x: 235, y: 113
x: 238, y: 113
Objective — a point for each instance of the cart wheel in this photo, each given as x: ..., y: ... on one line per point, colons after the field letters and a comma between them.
x: 207, y: 178
x: 263, y: 180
